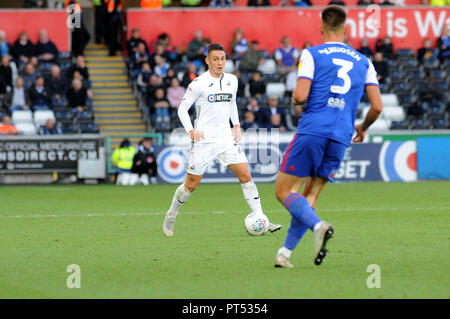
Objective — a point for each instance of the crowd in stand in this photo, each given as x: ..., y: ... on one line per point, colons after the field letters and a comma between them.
x: 162, y: 73
x: 38, y: 77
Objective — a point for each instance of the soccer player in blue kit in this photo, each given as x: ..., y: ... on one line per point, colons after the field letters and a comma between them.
x: 332, y: 78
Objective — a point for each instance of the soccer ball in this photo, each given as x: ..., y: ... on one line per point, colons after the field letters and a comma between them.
x: 256, y: 224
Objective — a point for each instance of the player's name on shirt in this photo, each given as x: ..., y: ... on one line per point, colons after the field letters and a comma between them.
x: 350, y: 52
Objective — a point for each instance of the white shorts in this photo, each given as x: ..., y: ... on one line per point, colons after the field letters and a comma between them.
x: 202, y: 154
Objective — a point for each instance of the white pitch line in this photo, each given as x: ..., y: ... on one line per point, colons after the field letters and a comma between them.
x: 367, y: 209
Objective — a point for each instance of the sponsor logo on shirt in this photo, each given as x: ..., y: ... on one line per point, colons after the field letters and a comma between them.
x: 219, y: 97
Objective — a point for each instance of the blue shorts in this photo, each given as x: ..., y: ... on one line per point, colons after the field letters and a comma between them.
x: 311, y: 155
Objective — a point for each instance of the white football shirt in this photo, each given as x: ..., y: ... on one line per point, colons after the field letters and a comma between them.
x: 215, y: 105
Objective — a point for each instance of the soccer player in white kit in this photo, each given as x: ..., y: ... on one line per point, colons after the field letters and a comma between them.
x: 214, y: 95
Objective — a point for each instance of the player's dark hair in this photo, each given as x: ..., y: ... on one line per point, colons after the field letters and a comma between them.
x: 215, y: 47
x: 333, y: 18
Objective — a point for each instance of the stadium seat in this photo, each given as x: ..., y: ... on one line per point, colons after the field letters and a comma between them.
x: 405, y: 52
x: 268, y: 67
x: 420, y: 124
x: 389, y: 99
x: 40, y: 117
x: 229, y: 66
x: 89, y: 128
x: 393, y: 113
x: 380, y: 125
x: 68, y: 127
x: 276, y: 89
x: 438, y: 74
x: 399, y: 125
x: 22, y: 117
x: 438, y: 123
x: 63, y: 115
x: 26, y: 128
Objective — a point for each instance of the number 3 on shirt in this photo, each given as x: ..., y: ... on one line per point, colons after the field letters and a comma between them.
x: 346, y: 66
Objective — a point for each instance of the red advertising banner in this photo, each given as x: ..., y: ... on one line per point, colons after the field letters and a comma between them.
x: 273, y: 3
x: 32, y: 21
x: 407, y: 27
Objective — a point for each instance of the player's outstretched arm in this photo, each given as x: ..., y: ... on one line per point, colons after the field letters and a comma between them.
x: 376, y: 106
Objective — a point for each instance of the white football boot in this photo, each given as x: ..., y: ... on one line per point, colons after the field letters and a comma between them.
x: 281, y: 261
x: 323, y: 232
x: 274, y: 227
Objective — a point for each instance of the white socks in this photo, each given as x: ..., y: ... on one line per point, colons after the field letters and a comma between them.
x: 179, y: 198
x: 285, y: 252
x: 252, y: 197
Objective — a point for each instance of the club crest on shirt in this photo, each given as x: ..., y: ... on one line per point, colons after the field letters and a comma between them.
x: 229, y: 83
x: 219, y: 97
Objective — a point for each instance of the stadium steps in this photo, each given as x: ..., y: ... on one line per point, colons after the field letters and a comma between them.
x: 115, y: 107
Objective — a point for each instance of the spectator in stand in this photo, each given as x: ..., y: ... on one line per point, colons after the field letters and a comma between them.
x: 167, y: 80
x: 6, y: 71
x: 49, y: 128
x: 385, y: 47
x: 286, y: 56
x: 100, y: 20
x: 6, y: 127
x: 46, y: 50
x: 137, y: 59
x: 252, y: 58
x: 381, y: 67
x: 257, y: 87
x: 77, y: 97
x: 275, y: 123
x: 80, y: 66
x: 175, y: 93
x: 302, y: 3
x: 161, y: 106
x: 29, y: 76
x: 39, y: 95
x: 386, y: 3
x: 270, y: 110
x: 190, y: 75
x: 221, y: 4
x: 58, y: 86
x: 164, y: 40
x: 22, y: 50
x: 144, y: 162
x: 426, y: 53
x: 443, y: 44
x: 132, y: 43
x: 238, y: 45
x: 253, y: 107
x: 249, y: 121
x: 258, y: 3
x: 143, y: 78
x: 161, y: 66
x: 365, y: 49
x: 18, y: 98
x: 159, y: 51
x: 336, y: 3
x: 5, y: 47
x: 241, y: 84
x: 195, y: 50
x: 155, y: 82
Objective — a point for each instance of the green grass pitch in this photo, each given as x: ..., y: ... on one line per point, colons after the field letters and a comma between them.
x: 115, y: 236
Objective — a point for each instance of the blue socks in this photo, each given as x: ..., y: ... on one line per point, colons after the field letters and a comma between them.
x: 303, y: 217
x: 300, y: 209
x: 294, y: 234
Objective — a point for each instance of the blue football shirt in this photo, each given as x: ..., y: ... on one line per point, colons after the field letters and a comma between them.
x: 338, y: 77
